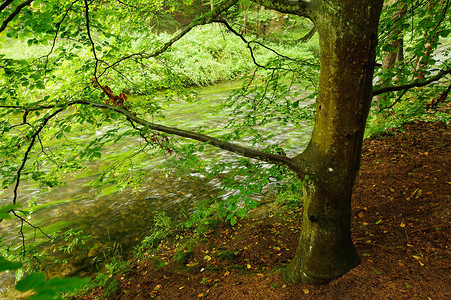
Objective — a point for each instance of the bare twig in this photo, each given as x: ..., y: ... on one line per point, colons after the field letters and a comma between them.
x: 22, y: 221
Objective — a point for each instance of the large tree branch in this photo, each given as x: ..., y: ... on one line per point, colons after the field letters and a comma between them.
x: 228, y: 146
x: 437, y: 77
x: 5, y: 4
x: 14, y: 13
x: 297, y: 7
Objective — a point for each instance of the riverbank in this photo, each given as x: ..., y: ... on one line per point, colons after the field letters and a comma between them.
x: 401, y: 209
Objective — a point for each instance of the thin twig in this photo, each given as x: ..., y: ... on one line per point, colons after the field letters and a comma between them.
x: 58, y: 26
x: 396, y: 101
x: 27, y: 152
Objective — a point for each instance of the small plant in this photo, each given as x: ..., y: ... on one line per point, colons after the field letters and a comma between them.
x: 291, y: 197
x: 77, y: 240
x: 184, y: 253
x: 204, y: 280
x: 162, y: 229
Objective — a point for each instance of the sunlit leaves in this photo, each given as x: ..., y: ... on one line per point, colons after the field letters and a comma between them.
x: 42, y: 288
x: 5, y: 212
x: 49, y: 289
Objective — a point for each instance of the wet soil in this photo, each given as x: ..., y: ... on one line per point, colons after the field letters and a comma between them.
x: 400, y: 226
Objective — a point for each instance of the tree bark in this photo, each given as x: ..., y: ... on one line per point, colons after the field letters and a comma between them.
x: 348, y: 37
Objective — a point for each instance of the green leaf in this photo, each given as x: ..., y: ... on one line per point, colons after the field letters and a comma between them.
x: 379, y: 221
x: 377, y: 272
x: 5, y: 209
x: 64, y: 284
x: 233, y: 221
x: 40, y: 85
x: 6, y: 265
x: 31, y: 282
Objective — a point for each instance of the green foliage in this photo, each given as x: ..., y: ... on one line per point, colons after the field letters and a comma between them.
x: 183, y: 253
x: 162, y: 228
x: 417, y: 33
x: 6, y: 209
x: 291, y: 197
x: 42, y: 288
x: 6, y: 265
x: 77, y: 240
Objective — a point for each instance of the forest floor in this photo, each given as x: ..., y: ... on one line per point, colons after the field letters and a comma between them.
x: 400, y: 226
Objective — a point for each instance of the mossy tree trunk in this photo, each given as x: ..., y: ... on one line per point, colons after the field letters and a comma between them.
x: 348, y: 37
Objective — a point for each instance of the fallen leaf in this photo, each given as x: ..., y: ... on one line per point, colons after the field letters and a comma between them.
x: 361, y: 214
x: 402, y: 225
x: 227, y: 273
x: 418, y: 258
x: 207, y: 257
x: 157, y: 287
x: 306, y: 291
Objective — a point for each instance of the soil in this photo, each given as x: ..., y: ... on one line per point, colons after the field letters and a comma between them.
x: 400, y: 226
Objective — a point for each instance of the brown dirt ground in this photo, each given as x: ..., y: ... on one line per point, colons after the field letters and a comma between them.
x: 400, y: 225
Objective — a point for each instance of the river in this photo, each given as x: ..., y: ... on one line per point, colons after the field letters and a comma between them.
x: 120, y: 219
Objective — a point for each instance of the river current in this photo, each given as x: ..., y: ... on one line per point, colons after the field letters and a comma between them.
x: 124, y: 217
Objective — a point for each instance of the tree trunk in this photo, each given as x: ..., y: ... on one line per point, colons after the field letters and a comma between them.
x: 348, y: 37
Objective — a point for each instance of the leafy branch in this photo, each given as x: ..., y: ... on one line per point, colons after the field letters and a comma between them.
x: 251, y: 50
x: 202, y: 20
x: 132, y: 117
x: 30, y: 146
x: 14, y: 13
x: 413, y: 84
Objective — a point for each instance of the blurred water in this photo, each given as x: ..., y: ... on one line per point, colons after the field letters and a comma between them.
x: 124, y: 217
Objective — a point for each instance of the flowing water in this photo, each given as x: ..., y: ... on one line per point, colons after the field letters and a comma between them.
x: 124, y: 217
